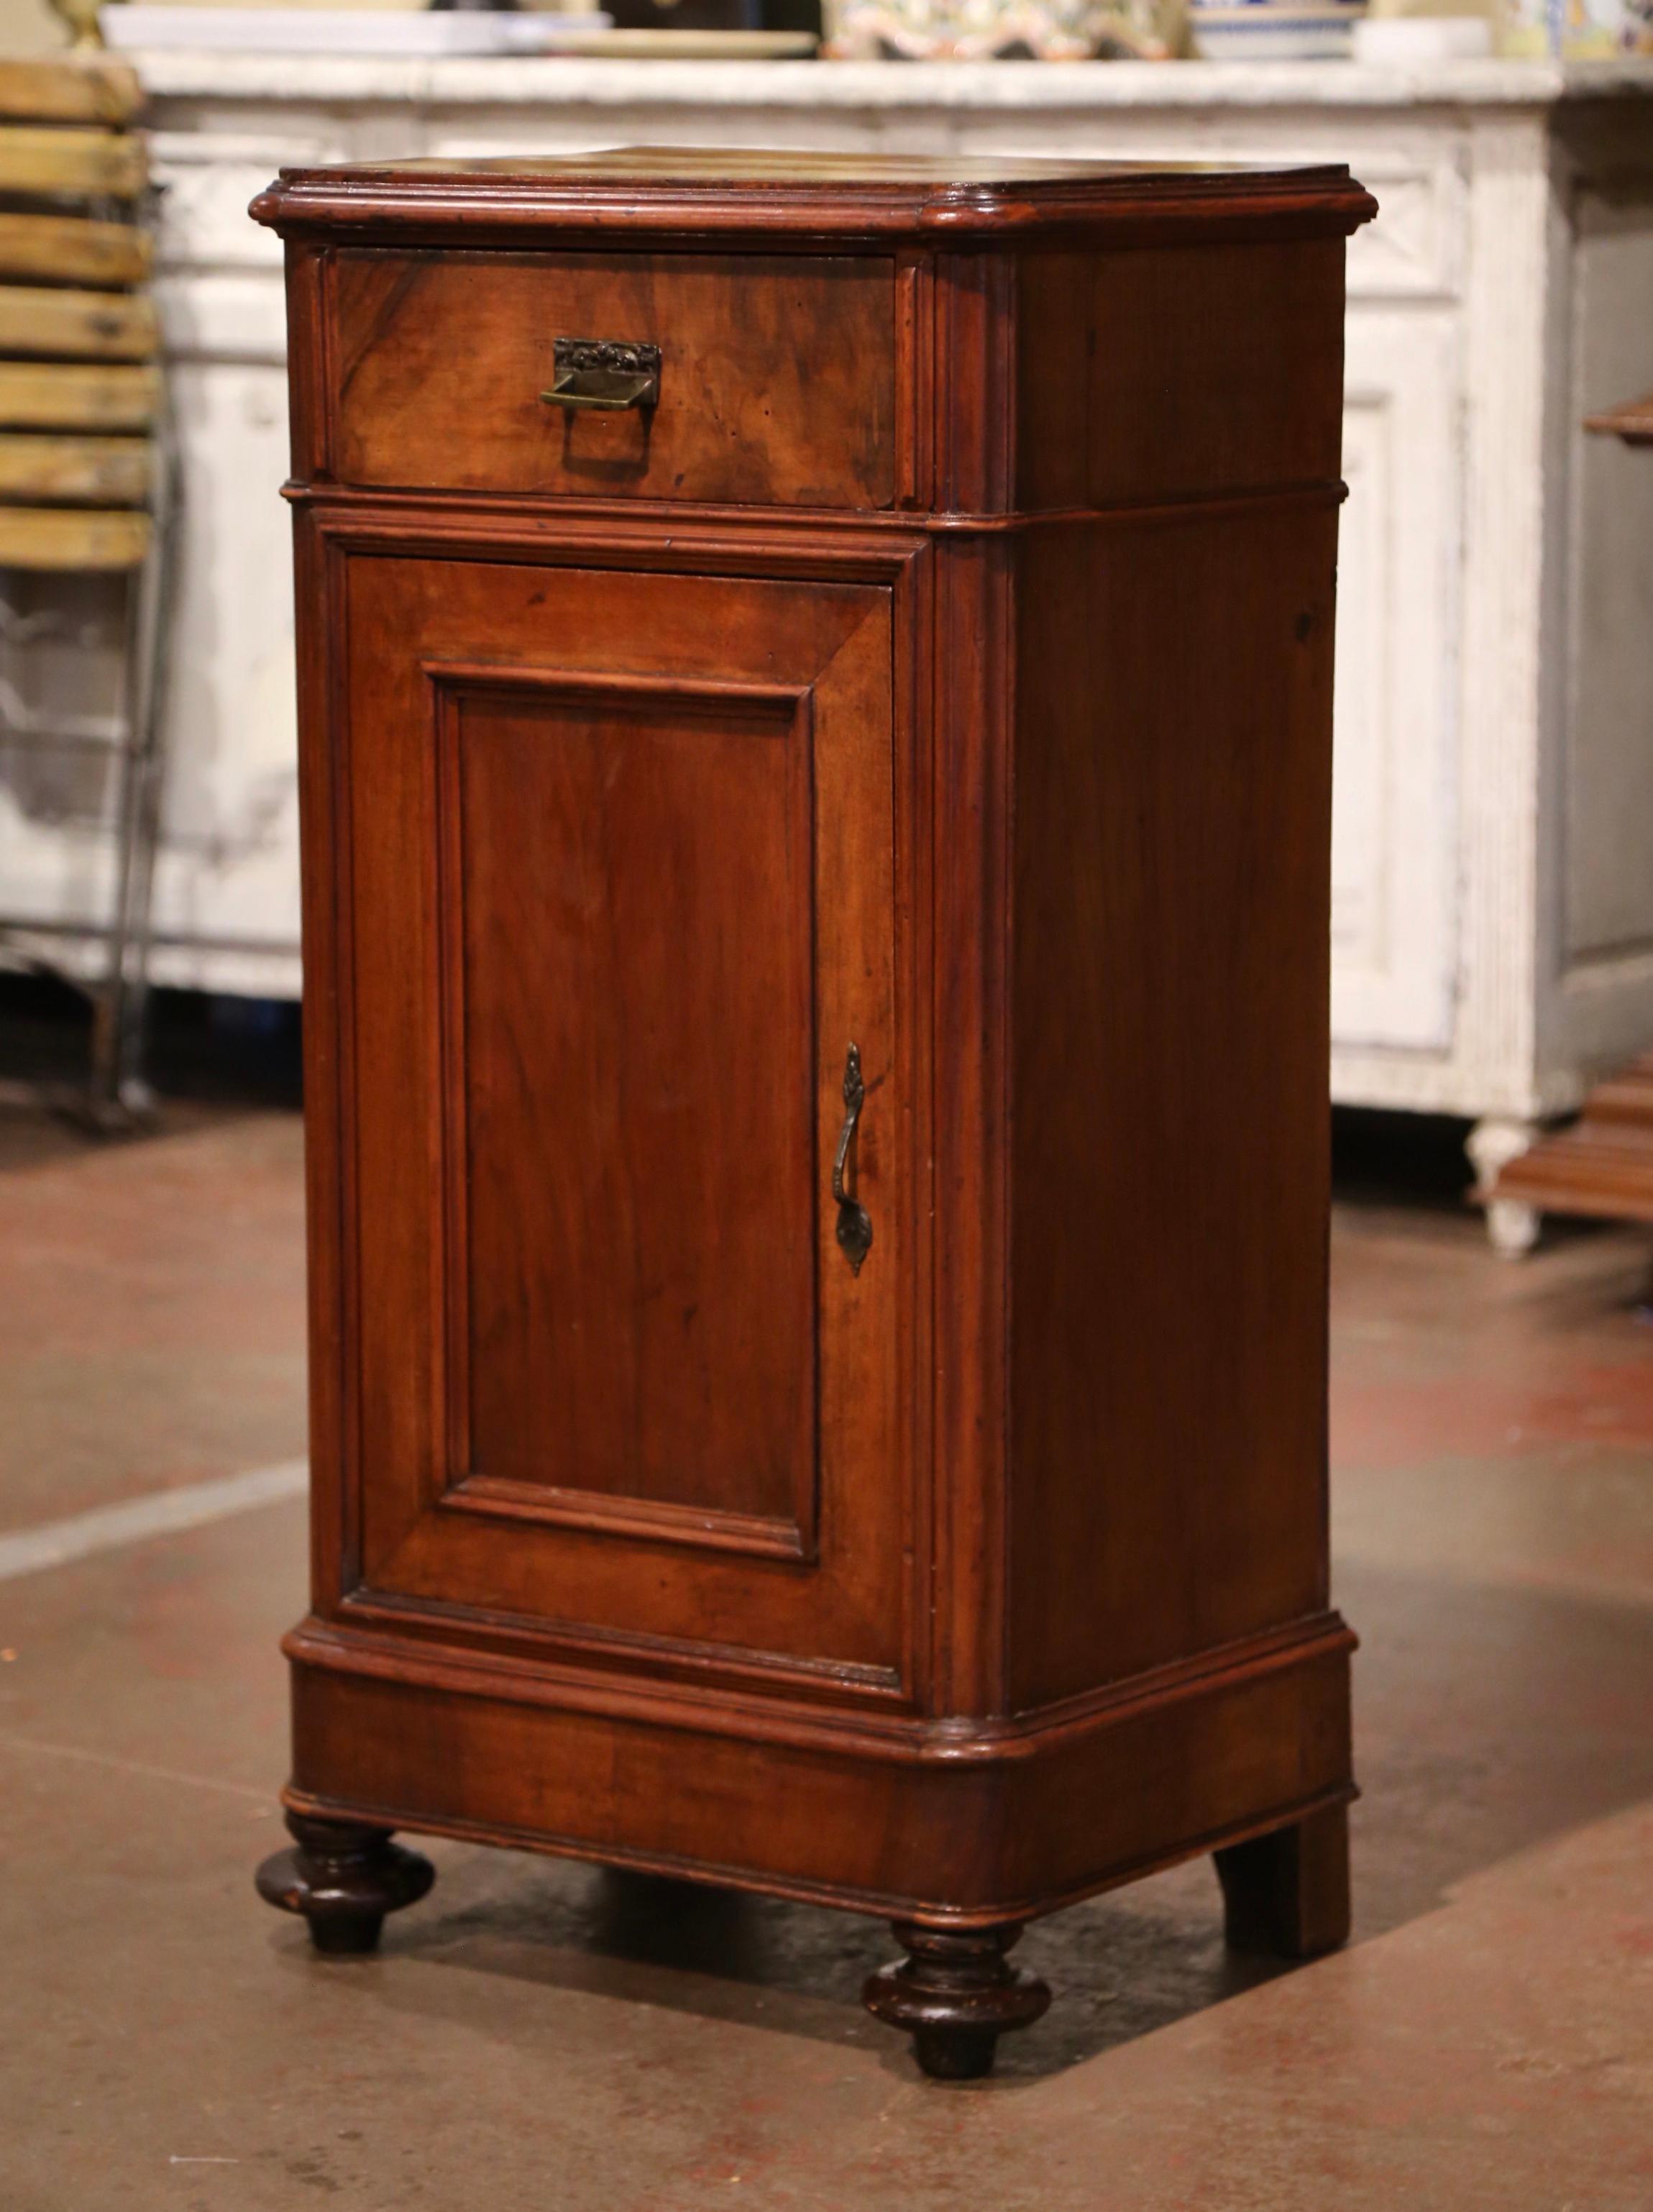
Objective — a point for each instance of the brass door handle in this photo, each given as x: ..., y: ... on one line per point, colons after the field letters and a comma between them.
x: 854, y: 1223
x: 603, y: 373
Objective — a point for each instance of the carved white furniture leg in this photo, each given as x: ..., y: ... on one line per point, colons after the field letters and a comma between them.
x: 1512, y: 1224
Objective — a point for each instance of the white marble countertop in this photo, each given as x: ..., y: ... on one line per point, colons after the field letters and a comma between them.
x: 542, y: 81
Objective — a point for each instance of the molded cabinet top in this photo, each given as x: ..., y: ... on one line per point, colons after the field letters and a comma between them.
x: 665, y: 188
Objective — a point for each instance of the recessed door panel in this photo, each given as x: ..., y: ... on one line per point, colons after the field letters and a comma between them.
x: 620, y: 889
x: 627, y: 904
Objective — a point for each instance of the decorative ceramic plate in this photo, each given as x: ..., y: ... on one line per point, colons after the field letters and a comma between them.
x: 1264, y: 31
x: 137, y: 27
x: 647, y: 44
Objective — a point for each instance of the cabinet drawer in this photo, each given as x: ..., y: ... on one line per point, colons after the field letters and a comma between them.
x: 776, y: 375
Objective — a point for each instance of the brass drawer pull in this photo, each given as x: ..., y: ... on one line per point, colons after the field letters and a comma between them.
x: 854, y: 1223
x: 606, y: 372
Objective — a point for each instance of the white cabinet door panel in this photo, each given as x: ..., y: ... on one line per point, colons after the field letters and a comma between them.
x: 1394, y: 811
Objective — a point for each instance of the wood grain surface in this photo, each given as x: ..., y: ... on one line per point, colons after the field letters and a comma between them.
x: 71, y: 537
x: 80, y: 89
x: 73, y: 249
x: 946, y: 668
x: 777, y: 379
x: 1171, y: 1160
x: 84, y: 164
x: 102, y: 471
x: 694, y: 193
x: 623, y: 1294
x: 66, y: 396
x: 76, y: 324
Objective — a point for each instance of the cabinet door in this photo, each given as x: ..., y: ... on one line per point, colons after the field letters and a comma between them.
x: 619, y: 850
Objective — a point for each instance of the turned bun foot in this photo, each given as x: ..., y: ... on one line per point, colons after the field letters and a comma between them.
x: 343, y: 1878
x: 956, y: 1993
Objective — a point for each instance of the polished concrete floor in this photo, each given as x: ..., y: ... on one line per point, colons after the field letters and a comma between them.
x: 543, y: 2038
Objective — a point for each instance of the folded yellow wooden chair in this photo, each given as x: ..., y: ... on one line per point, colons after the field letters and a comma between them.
x: 86, y: 474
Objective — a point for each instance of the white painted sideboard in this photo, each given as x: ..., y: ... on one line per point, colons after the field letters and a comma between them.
x: 1493, y: 841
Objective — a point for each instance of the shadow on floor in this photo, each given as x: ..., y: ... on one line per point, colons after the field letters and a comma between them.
x: 207, y: 1058
x: 1120, y: 1965
x: 1489, y: 1720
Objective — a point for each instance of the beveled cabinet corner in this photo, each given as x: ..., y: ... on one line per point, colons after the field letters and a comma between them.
x: 815, y: 701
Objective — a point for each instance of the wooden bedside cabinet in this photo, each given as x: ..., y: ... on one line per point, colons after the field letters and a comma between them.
x: 816, y: 698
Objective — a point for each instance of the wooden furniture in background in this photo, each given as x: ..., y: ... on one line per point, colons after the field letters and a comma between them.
x: 816, y: 704
x: 83, y: 492
x: 1602, y: 1166
x: 1632, y: 422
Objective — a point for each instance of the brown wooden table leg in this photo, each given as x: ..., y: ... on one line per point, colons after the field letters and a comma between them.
x: 956, y: 1993
x: 343, y: 1878
x: 1287, y: 1893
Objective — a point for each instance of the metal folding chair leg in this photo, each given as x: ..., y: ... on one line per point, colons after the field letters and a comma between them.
x: 117, y: 1093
